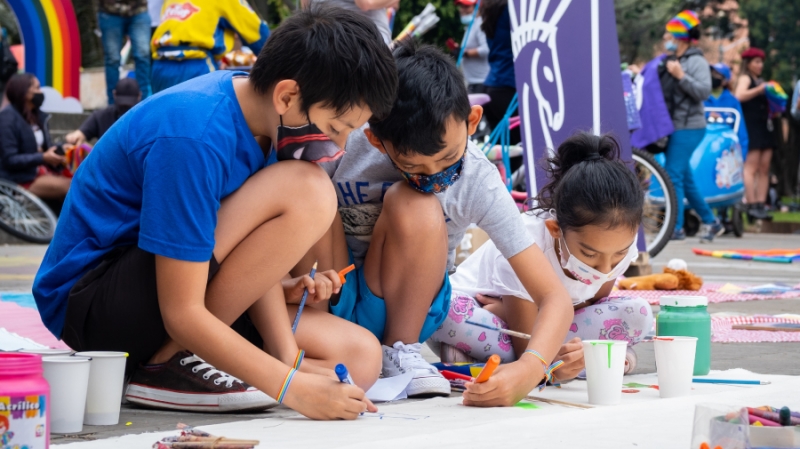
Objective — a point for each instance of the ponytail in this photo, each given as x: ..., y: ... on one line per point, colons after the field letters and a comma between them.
x: 590, y: 185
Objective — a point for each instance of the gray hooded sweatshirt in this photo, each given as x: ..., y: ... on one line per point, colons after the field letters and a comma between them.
x: 693, y: 89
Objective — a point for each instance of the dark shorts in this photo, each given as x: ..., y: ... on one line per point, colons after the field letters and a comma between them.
x: 114, y: 307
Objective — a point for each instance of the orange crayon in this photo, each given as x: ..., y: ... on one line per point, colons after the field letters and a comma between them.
x: 488, y: 369
x: 344, y: 272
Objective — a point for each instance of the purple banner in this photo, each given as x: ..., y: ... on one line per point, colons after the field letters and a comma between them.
x: 566, y: 59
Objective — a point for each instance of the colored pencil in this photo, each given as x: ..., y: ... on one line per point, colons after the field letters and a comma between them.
x: 698, y: 380
x: 501, y: 330
x: 303, y: 301
x: 557, y: 402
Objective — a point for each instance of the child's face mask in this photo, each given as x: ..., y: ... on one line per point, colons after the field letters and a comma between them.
x: 435, y: 183
x: 580, y: 270
x: 305, y: 143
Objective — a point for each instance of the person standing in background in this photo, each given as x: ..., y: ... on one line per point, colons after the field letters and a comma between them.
x: 154, y: 9
x: 796, y: 101
x: 501, y: 84
x: 375, y: 10
x: 117, y: 19
x: 751, y: 91
x: 475, y: 64
x: 686, y: 82
x: 194, y: 34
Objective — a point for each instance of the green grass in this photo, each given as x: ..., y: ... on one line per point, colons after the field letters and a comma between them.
x: 786, y: 217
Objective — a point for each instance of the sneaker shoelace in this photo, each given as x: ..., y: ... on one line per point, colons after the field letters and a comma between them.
x: 211, y: 371
x: 410, y: 356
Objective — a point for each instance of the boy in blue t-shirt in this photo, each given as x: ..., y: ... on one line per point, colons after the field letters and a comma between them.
x: 721, y: 97
x: 178, y: 230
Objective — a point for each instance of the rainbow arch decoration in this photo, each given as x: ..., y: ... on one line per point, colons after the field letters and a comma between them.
x: 49, y: 32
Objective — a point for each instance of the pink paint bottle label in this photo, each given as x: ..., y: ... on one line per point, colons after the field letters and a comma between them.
x: 23, y: 422
x: 24, y: 397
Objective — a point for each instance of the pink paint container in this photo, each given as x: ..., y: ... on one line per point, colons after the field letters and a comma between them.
x: 24, y: 402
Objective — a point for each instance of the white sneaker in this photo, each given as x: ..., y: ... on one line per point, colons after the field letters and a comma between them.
x: 427, y: 380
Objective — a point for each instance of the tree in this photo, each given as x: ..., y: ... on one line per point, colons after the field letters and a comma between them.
x: 641, y: 25
x: 775, y: 28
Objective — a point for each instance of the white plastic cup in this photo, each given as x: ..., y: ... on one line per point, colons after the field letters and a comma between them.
x: 48, y: 352
x: 104, y: 397
x: 69, y: 379
x: 675, y: 365
x: 605, y: 366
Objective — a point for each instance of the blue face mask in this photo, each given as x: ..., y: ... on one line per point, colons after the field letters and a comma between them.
x: 466, y: 20
x: 671, y: 46
x: 435, y: 183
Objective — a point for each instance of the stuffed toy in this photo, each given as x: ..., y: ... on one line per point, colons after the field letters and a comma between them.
x: 663, y: 281
x: 676, y: 276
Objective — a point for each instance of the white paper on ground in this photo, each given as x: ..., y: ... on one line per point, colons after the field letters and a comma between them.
x: 641, y: 420
x: 390, y: 388
x: 10, y: 341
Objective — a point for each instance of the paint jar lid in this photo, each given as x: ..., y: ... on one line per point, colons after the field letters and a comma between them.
x: 683, y: 301
x: 14, y: 364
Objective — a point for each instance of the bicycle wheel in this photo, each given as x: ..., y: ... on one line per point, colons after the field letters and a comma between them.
x: 25, y: 216
x: 660, y: 204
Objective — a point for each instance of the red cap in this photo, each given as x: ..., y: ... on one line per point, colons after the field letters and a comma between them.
x: 753, y: 52
x: 465, y: 2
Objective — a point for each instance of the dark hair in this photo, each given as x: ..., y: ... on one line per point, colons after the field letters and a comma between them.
x: 590, y: 185
x: 431, y: 90
x: 694, y: 33
x: 337, y: 57
x: 490, y: 11
x: 16, y: 90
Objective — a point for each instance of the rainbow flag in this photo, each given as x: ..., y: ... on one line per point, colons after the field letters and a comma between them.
x: 776, y: 97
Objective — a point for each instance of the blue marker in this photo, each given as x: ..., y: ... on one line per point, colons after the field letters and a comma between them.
x: 343, y: 375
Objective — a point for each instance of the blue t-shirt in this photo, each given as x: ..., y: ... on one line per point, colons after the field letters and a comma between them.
x: 156, y: 180
x: 501, y: 56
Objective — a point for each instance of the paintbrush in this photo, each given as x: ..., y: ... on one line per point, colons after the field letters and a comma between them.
x: 557, y: 402
x: 501, y: 330
x: 303, y: 300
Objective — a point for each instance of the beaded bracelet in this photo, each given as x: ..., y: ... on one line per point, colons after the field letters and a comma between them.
x: 299, y: 359
x: 548, y: 369
x: 285, y: 386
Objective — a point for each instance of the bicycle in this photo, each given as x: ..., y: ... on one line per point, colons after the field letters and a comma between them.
x: 24, y: 215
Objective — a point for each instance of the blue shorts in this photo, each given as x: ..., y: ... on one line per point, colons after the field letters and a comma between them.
x: 359, y: 305
x: 167, y: 72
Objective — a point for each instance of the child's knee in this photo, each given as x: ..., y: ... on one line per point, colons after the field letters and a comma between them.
x: 312, y: 183
x: 411, y: 212
x: 366, y: 350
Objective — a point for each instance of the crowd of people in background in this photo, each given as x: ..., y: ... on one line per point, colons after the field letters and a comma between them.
x: 172, y: 41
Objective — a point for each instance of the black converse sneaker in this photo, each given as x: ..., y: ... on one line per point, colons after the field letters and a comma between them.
x: 186, y: 382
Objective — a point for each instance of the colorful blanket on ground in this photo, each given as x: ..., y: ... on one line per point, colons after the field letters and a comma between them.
x: 18, y: 314
x: 722, y: 330
x: 711, y: 290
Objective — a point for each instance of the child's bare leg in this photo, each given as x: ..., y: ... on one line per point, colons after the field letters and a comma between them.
x: 407, y: 259
x: 258, y: 238
x: 329, y: 340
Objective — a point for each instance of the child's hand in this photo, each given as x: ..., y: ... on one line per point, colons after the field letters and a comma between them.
x: 318, y: 397
x: 507, y: 386
x: 321, y: 288
x: 571, y: 353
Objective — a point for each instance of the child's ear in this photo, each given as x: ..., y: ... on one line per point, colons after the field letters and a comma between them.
x: 373, y: 139
x: 475, y: 114
x: 552, y: 228
x: 285, y: 95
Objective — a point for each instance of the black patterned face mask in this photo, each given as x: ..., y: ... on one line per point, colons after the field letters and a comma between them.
x: 305, y: 143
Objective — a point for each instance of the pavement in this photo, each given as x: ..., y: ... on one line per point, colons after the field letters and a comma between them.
x: 19, y: 262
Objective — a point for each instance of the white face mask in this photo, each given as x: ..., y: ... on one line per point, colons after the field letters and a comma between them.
x: 581, y: 271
